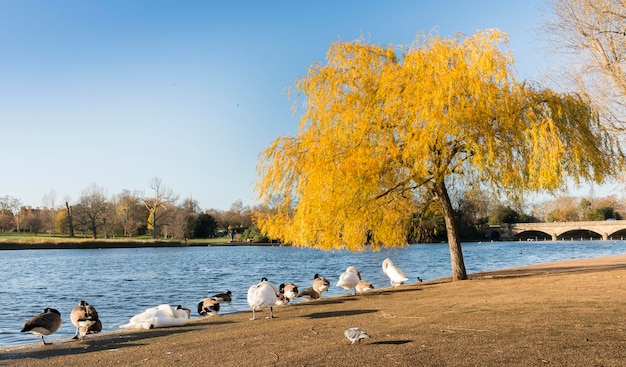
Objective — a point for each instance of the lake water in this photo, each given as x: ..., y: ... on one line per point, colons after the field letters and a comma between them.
x: 123, y: 282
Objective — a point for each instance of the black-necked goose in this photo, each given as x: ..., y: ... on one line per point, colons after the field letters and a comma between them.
x: 85, y: 318
x: 45, y: 323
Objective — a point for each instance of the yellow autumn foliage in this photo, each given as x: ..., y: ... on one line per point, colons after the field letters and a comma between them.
x: 381, y: 125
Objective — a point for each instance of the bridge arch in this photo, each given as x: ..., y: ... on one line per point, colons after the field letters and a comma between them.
x: 609, y: 229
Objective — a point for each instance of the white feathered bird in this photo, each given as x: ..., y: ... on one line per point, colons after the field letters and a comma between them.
x: 395, y: 274
x: 160, y: 316
x: 262, y: 295
x: 349, y: 279
x: 355, y: 335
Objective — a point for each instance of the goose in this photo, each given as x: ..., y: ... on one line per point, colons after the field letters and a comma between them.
x: 208, y: 307
x: 45, y: 323
x: 363, y: 286
x: 286, y: 292
x: 395, y: 274
x: 281, y: 300
x: 309, y: 294
x: 160, y: 316
x: 85, y: 318
x: 320, y: 284
x: 223, y: 297
x: 262, y: 295
x: 355, y: 335
x: 349, y: 279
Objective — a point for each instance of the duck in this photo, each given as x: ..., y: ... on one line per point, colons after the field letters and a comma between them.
x: 223, y: 297
x: 363, y: 286
x: 46, y: 322
x: 158, y: 317
x: 349, y: 279
x: 395, y: 274
x: 208, y: 307
x: 85, y: 318
x: 262, y: 295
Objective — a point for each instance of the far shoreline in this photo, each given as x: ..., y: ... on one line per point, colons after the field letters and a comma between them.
x: 110, y: 244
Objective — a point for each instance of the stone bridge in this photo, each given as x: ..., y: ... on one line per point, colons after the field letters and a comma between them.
x: 609, y: 229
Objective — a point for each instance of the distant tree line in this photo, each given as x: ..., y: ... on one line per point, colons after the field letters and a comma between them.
x: 160, y: 214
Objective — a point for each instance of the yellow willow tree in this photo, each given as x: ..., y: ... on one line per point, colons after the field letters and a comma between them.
x: 381, y: 132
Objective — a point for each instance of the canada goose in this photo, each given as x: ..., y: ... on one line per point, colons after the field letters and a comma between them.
x: 309, y: 294
x: 208, y: 307
x: 159, y: 316
x: 45, y: 323
x: 320, y: 284
x: 281, y: 300
x: 223, y: 297
x: 354, y: 334
x: 286, y: 292
x: 349, y: 279
x: 363, y: 286
x: 395, y: 274
x: 262, y: 295
x: 85, y: 318
x: 289, y: 290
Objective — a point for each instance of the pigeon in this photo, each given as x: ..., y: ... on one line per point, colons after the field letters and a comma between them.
x: 354, y: 334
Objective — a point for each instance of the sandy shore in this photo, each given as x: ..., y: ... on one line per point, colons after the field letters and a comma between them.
x: 560, y: 314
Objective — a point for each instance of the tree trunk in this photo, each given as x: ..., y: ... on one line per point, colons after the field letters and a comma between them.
x: 456, y: 253
x: 69, y: 219
x: 154, y: 231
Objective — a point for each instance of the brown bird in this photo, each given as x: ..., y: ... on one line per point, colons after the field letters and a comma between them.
x: 363, y: 286
x: 320, y: 285
x: 85, y: 318
x: 208, y: 307
x: 44, y: 323
x: 223, y: 297
x: 286, y: 292
x: 309, y: 294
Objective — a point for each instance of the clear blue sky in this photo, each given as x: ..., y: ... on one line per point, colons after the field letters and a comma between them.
x: 116, y: 92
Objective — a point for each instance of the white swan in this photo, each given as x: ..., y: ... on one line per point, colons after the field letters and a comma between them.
x: 159, y: 316
x: 262, y: 295
x: 349, y: 279
x: 395, y: 274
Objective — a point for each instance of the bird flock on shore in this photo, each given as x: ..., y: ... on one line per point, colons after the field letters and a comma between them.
x: 260, y: 296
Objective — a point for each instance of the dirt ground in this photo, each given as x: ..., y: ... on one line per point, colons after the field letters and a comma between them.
x: 559, y: 314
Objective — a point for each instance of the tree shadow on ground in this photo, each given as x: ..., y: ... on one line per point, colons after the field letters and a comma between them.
x: 321, y: 315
